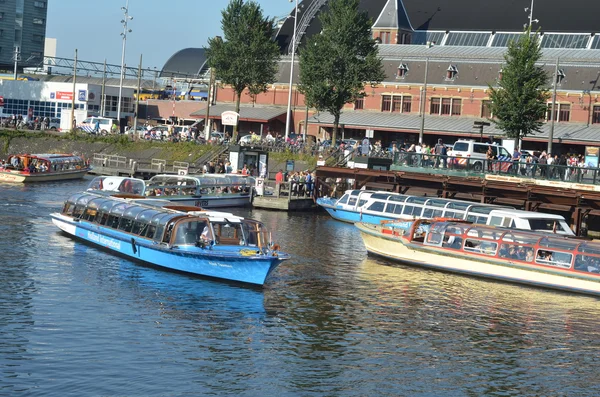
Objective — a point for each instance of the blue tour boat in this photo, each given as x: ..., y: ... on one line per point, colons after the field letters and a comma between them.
x: 187, y: 239
x: 372, y: 207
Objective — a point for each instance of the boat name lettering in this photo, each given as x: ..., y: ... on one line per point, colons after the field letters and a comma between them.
x: 107, y: 242
x: 218, y: 264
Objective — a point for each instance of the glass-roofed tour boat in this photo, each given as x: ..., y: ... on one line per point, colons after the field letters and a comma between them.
x: 188, y: 239
x: 525, y: 257
x: 43, y: 167
x: 203, y: 190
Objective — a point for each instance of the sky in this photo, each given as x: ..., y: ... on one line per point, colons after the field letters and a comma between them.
x: 159, y: 28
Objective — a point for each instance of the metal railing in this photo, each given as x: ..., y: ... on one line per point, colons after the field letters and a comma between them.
x: 480, y: 167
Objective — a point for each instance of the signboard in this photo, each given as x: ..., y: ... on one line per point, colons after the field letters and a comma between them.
x: 82, y: 96
x: 64, y: 95
x: 229, y: 118
x: 289, y: 165
x: 369, y: 133
x: 262, y: 165
x: 182, y: 171
x: 591, y: 156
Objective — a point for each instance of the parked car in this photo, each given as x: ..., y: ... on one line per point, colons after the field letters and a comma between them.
x: 54, y: 124
x: 105, y: 125
x: 475, y: 152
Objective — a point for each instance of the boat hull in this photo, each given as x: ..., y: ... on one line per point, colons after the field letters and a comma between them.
x: 348, y: 216
x: 23, y: 177
x: 228, y: 265
x: 399, y: 249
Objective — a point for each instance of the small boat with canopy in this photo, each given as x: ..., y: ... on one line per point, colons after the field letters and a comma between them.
x: 43, y: 167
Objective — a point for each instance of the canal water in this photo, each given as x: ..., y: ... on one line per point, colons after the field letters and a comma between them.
x: 77, y: 321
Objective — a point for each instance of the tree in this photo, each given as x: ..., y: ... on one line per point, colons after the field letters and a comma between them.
x: 336, y: 64
x: 247, y: 57
x: 519, y: 102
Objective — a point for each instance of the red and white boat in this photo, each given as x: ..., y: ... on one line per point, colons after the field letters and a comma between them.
x: 43, y: 167
x: 533, y: 258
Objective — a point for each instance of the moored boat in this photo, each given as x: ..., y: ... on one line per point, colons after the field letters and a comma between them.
x: 517, y: 256
x: 43, y: 167
x: 373, y: 207
x: 110, y: 185
x: 192, y: 240
x: 203, y: 190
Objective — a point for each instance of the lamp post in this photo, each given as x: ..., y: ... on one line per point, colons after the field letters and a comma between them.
x: 289, y: 107
x: 124, y: 21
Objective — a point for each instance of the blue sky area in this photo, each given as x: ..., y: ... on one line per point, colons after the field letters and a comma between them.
x: 159, y: 28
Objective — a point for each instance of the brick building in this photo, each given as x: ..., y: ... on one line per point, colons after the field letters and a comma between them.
x: 462, y: 45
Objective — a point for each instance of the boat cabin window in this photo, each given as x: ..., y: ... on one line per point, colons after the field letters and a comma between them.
x: 486, y: 233
x: 228, y: 233
x: 587, y: 263
x: 549, y: 257
x: 377, y: 206
x: 192, y: 232
x: 128, y: 219
x: 500, y: 221
x: 432, y: 213
x: 480, y: 246
x: 560, y: 243
x: 161, y: 222
x: 398, y: 198
x: 452, y: 241
x: 516, y: 252
x: 412, y: 210
x: 547, y: 225
x: 344, y: 199
x: 380, y: 196
x: 454, y: 214
x: 521, y: 238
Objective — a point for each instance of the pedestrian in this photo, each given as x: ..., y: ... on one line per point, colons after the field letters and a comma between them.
x: 366, y: 147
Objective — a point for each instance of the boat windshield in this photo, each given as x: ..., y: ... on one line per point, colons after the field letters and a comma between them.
x: 118, y: 184
x: 255, y: 234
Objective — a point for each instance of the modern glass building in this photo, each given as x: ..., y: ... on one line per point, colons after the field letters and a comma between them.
x: 22, y: 27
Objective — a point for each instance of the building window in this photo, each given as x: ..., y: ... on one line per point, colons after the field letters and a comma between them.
x: 562, y: 113
x: 1, y: 15
x: 397, y: 103
x: 486, y: 112
x: 38, y: 21
x: 596, y: 115
x: 385, y: 37
x: 560, y: 76
x: 39, y: 4
x: 451, y: 72
x: 456, y: 106
x: 386, y: 104
x: 446, y: 106
x: 402, y: 70
x: 435, y: 106
x: 38, y: 38
x: 406, y: 104
x: 359, y: 104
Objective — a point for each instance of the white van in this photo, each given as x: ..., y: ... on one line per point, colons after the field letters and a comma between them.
x: 105, y: 125
x: 527, y: 220
x: 477, y: 150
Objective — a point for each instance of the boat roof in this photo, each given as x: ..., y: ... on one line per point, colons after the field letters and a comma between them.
x: 65, y: 157
x: 528, y: 214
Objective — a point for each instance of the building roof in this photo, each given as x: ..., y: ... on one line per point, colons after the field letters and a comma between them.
x: 308, y: 19
x: 110, y: 82
x: 189, y: 62
x: 247, y: 113
x: 388, y: 18
x: 506, y: 15
x: 568, y: 132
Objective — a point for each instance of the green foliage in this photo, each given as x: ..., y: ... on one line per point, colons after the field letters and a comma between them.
x: 519, y: 102
x: 335, y: 64
x: 247, y: 57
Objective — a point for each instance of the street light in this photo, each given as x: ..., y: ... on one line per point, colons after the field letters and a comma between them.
x: 125, y: 21
x: 289, y: 107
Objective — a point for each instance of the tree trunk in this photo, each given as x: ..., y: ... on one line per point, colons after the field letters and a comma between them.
x: 336, y: 123
x: 238, y: 97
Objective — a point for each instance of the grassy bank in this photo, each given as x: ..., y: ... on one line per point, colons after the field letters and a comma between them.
x: 38, y: 141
